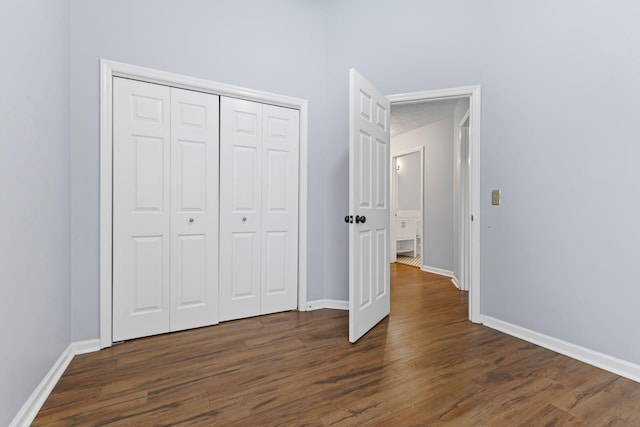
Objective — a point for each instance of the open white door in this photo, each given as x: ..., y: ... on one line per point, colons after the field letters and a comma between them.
x: 369, y: 160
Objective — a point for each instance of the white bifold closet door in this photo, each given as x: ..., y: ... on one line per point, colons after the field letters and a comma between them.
x: 258, y: 208
x: 165, y: 209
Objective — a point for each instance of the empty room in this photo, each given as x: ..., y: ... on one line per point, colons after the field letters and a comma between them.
x: 196, y: 198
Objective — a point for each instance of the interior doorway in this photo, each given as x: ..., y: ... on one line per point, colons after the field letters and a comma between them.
x: 369, y: 198
x: 430, y: 207
x: 464, y: 191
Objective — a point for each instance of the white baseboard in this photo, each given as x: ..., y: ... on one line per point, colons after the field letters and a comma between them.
x: 88, y: 346
x: 327, y: 303
x: 436, y: 270
x: 600, y: 360
x: 455, y: 282
x: 32, y: 406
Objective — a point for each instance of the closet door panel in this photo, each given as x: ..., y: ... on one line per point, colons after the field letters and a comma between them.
x: 243, y: 262
x: 240, y: 208
x: 276, y: 263
x: 279, y: 287
x: 141, y: 210
x: 194, y: 209
x: 191, y: 272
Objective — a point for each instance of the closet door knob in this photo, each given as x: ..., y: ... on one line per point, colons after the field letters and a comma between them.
x: 190, y: 219
x: 244, y: 219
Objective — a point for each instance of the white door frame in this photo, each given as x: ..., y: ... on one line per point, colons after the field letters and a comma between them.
x: 463, y: 229
x: 473, y: 93
x: 110, y: 69
x: 394, y: 193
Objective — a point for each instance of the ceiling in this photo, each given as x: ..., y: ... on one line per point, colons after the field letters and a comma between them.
x: 408, y: 116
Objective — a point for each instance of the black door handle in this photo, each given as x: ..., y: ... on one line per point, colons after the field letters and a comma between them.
x: 359, y: 219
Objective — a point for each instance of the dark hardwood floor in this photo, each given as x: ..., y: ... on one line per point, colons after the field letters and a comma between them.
x: 424, y: 365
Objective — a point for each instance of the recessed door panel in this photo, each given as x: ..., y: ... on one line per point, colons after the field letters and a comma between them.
x: 276, y: 174
x: 382, y: 265
x: 147, y: 108
x: 277, y: 127
x: 245, y: 165
x: 365, y: 106
x: 364, y: 267
x: 191, y: 276
x: 276, y: 262
x: 364, y: 170
x: 381, y: 170
x: 148, y: 185
x: 245, y: 123
x: 382, y: 116
x: 148, y: 280
x: 192, y: 115
x: 192, y: 178
x: 243, y: 280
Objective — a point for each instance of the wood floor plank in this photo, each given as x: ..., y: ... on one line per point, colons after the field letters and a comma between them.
x: 426, y: 364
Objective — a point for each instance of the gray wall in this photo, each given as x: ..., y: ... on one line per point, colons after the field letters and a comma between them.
x: 276, y: 46
x: 560, y: 138
x: 437, y: 217
x: 437, y: 247
x: 34, y: 195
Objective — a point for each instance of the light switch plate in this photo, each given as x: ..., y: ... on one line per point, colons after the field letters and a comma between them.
x: 495, y: 197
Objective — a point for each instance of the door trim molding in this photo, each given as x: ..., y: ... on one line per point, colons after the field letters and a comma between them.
x: 463, y: 283
x: 110, y: 69
x: 473, y: 93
